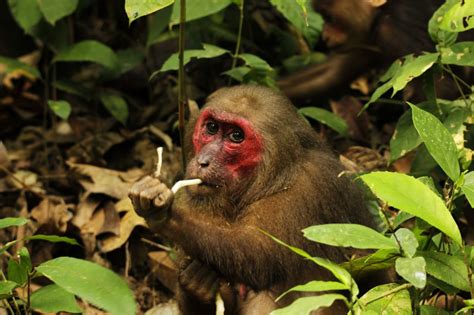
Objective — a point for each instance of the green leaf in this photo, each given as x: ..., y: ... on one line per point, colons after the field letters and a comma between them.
x: 26, y: 13
x: 326, y: 117
x: 340, y: 273
x: 382, y: 302
x: 468, y: 187
x: 459, y: 18
x: 412, y: 270
x: 53, y: 239
x: 405, y: 137
x: 6, y: 287
x: 11, y: 65
x: 438, y: 141
x: 255, y: 62
x: 158, y: 23
x: 461, y: 54
x: 16, y: 272
x: 89, y: 50
x: 410, y: 195
x: 196, y: 9
x: 129, y: 59
x: 208, y: 51
x: 316, y: 286
x: 60, y: 108
x: 407, y: 240
x: 412, y: 68
x: 444, y: 38
x: 349, y: 235
x: 307, y: 304
x: 432, y: 310
x: 138, y: 8
x: 449, y: 269
x: 308, y: 22
x: 116, y: 105
x: 91, y: 282
x: 380, y: 260
x: 238, y: 73
x: 25, y: 259
x: 54, y: 10
x: 54, y: 299
x: 7, y: 222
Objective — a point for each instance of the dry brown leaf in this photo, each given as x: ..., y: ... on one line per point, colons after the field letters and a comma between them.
x: 52, y: 215
x: 111, y: 220
x: 84, y: 210
x: 102, y: 180
x: 365, y: 159
x: 128, y: 222
x: 4, y: 160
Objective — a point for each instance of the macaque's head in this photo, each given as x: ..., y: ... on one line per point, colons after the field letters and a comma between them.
x: 245, y: 136
x: 347, y: 21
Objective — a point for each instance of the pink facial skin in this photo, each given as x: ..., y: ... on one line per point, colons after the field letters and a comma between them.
x: 237, y: 158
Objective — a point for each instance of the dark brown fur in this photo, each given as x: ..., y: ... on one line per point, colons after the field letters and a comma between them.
x: 296, y: 185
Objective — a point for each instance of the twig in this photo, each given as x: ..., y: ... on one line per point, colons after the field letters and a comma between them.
x: 182, y: 98
x: 183, y: 183
x: 159, y: 152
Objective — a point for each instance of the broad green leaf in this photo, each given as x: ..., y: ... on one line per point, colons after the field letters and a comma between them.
x: 304, y: 305
x: 157, y: 24
x: 381, y: 90
x: 25, y: 259
x: 459, y: 18
x: 9, y: 65
x: 6, y: 287
x: 54, y: 10
x: 16, y: 272
x: 412, y: 270
x: 398, y: 302
x: 461, y: 54
x: 60, y: 108
x: 301, y: 15
x: 449, y: 269
x: 129, y: 59
x: 7, y: 222
x: 412, y: 68
x: 410, y: 195
x: 380, y: 260
x: 196, y: 9
x: 91, y: 282
x: 208, y: 51
x: 444, y: 38
x: 326, y: 117
x: 26, y: 13
x: 138, y: 8
x: 53, y: 239
x: 238, y: 73
x: 255, y: 62
x: 407, y: 241
x: 316, y: 286
x: 349, y: 235
x: 468, y: 187
x: 89, y: 50
x: 54, y: 299
x: 438, y: 141
x: 405, y: 137
x: 423, y: 163
x: 432, y: 310
x: 116, y: 105
x: 340, y: 273
x: 73, y: 87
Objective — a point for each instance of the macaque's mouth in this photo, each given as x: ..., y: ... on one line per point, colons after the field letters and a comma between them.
x: 210, y: 184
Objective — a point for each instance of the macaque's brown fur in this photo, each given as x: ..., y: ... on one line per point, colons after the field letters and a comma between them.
x: 296, y: 184
x: 363, y: 35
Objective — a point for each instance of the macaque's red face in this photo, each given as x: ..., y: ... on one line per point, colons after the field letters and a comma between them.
x: 227, y: 149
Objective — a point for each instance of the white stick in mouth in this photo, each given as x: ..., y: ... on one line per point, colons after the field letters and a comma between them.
x: 185, y: 182
x: 159, y: 152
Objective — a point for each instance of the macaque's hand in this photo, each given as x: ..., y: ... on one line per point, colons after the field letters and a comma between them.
x: 199, y: 280
x: 151, y: 200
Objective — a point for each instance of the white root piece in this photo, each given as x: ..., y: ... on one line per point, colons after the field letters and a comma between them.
x: 185, y: 182
x: 159, y: 151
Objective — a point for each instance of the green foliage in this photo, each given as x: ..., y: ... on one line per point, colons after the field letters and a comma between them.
x: 12, y: 65
x: 459, y: 17
x: 89, y: 50
x: 116, y: 105
x: 60, y: 108
x: 92, y: 282
x: 385, y: 299
x: 305, y: 305
x: 53, y: 299
x: 138, y: 8
x: 196, y: 9
x: 326, y: 117
x: 54, y: 10
x: 7, y: 222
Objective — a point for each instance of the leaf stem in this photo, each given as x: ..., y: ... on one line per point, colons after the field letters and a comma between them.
x: 239, y: 34
x: 182, y: 98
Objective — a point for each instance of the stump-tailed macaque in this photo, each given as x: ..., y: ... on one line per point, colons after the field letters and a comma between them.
x: 262, y: 168
x: 362, y: 35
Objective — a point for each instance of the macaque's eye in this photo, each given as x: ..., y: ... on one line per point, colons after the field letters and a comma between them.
x: 212, y: 127
x: 237, y: 136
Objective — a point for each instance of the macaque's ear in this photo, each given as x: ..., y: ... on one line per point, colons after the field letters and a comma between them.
x: 377, y: 3
x: 193, y: 109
